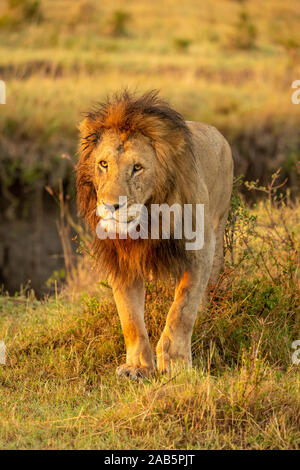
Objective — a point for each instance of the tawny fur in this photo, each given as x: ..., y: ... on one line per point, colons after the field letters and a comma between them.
x: 184, y: 163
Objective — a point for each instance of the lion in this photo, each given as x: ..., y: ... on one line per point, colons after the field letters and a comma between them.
x: 141, y: 148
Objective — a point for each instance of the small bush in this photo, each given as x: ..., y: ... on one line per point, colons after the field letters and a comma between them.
x: 8, y: 21
x: 21, y: 11
x: 245, y: 32
x: 182, y: 44
x: 32, y: 10
x: 119, y: 23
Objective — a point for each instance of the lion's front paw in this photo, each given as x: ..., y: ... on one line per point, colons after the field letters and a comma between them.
x: 167, y: 364
x: 163, y: 363
x: 171, y: 355
x: 134, y: 372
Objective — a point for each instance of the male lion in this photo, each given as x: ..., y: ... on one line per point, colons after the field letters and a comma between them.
x: 141, y: 148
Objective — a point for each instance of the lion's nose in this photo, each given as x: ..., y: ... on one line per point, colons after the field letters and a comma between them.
x: 112, y: 207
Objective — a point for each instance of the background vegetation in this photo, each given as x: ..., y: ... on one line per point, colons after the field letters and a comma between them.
x: 229, y: 63
x: 223, y: 62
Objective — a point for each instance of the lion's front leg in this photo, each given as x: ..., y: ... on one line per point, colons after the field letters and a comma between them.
x: 174, y: 345
x: 130, y: 301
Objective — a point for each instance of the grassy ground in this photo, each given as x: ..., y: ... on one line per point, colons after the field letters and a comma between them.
x: 59, y: 389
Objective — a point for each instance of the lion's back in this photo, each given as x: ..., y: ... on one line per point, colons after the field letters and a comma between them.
x: 214, y: 160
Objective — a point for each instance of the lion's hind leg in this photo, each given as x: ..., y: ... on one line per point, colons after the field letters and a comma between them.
x: 218, y: 262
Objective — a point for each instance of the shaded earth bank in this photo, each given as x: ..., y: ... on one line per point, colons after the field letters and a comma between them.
x: 30, y: 246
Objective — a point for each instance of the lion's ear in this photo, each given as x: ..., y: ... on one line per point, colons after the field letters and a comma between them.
x: 84, y: 127
x: 88, y: 139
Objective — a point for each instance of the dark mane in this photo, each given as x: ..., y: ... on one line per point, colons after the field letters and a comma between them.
x: 127, y: 113
x: 169, y: 135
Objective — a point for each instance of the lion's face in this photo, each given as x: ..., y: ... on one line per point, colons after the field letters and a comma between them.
x: 123, y: 169
x: 140, y: 148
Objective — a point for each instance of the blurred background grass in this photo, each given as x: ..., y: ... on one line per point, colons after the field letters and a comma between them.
x: 223, y: 62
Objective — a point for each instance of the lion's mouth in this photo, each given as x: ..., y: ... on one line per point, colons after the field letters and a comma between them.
x: 127, y: 221
x: 120, y: 221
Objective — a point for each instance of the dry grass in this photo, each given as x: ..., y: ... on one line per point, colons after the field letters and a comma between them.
x: 63, y: 65
x: 59, y: 390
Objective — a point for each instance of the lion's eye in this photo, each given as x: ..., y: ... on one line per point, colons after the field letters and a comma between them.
x: 137, y: 167
x: 103, y: 164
